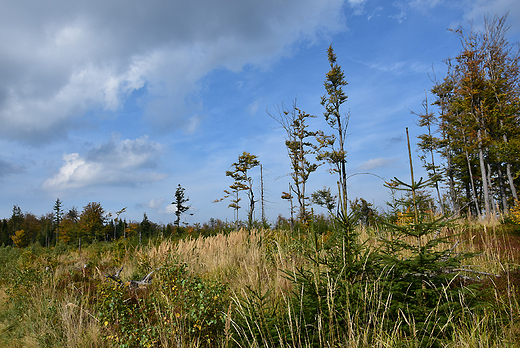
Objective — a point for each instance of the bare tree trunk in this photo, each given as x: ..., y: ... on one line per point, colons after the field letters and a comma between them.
x: 262, y: 193
x: 510, y: 179
x: 483, y: 173
x: 490, y: 189
x: 510, y: 176
x: 502, y: 190
x: 471, y: 177
x: 474, y: 192
x: 451, y: 181
x: 435, y: 174
x: 292, y: 209
x: 343, y: 171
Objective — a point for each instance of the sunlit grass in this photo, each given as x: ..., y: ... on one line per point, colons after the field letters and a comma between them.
x: 61, y: 311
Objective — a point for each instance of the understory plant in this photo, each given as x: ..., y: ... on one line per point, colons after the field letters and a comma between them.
x: 329, y: 299
x: 177, y: 309
x: 426, y: 281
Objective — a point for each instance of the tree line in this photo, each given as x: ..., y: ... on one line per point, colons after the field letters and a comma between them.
x: 470, y: 150
x: 93, y: 223
x: 475, y: 130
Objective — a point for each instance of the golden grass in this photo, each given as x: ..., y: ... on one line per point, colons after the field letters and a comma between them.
x: 258, y: 259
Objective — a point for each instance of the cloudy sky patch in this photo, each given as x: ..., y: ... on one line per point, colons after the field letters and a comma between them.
x: 377, y: 163
x: 117, y: 162
x: 120, y: 101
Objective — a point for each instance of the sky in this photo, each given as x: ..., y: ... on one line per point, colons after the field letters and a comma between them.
x: 119, y: 101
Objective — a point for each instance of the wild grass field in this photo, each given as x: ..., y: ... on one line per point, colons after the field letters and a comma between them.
x: 266, y: 288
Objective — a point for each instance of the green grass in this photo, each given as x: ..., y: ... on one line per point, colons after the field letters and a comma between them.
x: 240, y: 289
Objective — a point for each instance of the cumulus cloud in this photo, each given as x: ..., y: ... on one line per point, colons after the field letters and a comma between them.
x: 169, y: 209
x: 377, y: 163
x: 67, y: 59
x: 117, y: 162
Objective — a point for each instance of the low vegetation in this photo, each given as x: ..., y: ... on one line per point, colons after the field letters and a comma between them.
x: 343, y: 285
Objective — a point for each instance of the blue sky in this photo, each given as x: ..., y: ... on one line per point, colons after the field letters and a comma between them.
x: 117, y: 102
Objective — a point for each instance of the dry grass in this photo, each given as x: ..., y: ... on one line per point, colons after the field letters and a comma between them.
x: 259, y: 259
x: 238, y: 259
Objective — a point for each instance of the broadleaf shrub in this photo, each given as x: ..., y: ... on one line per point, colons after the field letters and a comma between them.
x: 176, y: 307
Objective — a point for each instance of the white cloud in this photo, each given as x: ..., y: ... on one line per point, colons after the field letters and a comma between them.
x: 169, y: 209
x: 375, y: 13
x: 125, y: 162
x: 400, y: 17
x: 400, y: 67
x: 476, y: 10
x: 153, y: 203
x: 64, y: 61
x: 162, y: 206
x: 253, y: 107
x: 377, y: 163
x: 357, y: 5
x: 424, y: 4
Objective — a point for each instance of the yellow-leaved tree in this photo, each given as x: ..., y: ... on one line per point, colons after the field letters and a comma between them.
x: 20, y: 239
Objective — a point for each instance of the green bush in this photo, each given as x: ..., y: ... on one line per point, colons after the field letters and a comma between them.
x: 176, y: 307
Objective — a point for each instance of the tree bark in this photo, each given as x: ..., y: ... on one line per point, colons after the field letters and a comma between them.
x: 502, y: 190
x: 510, y: 176
x: 483, y: 173
x: 451, y: 181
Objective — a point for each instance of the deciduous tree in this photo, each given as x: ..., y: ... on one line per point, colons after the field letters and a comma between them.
x: 92, y: 221
x: 20, y: 239
x: 479, y: 102
x: 69, y: 226
x: 300, y: 147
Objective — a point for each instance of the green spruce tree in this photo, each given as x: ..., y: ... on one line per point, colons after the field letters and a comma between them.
x: 179, y: 203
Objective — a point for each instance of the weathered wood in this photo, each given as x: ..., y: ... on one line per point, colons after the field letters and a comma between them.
x: 132, y: 284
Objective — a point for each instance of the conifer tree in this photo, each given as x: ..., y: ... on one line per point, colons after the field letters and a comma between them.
x: 423, y: 279
x: 16, y: 219
x: 335, y: 153
x: 20, y: 239
x: 243, y: 182
x: 429, y: 145
x: 4, y: 233
x: 58, y: 213
x: 145, y: 227
x: 180, y: 200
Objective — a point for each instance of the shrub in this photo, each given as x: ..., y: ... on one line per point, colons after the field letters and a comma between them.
x: 177, y: 307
